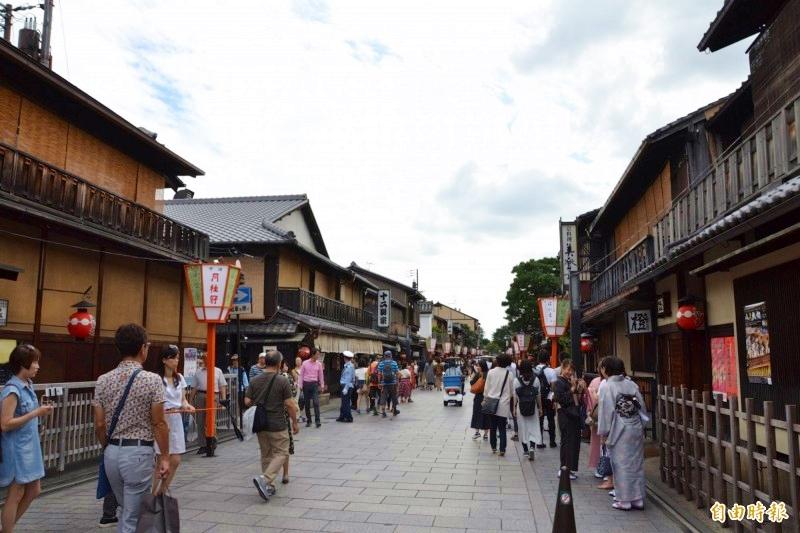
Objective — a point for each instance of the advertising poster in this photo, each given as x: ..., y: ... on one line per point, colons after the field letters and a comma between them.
x: 756, y: 330
x: 189, y: 364
x: 723, y: 367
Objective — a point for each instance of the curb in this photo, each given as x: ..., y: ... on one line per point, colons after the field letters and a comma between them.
x: 686, y: 521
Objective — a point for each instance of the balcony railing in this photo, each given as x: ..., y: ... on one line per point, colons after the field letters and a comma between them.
x: 613, y: 279
x: 741, y: 173
x: 308, y: 303
x: 75, y: 199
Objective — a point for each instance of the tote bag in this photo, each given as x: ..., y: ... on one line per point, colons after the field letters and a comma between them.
x: 158, y: 513
x: 490, y: 405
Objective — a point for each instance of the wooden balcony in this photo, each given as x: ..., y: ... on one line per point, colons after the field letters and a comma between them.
x: 746, y: 169
x: 613, y: 279
x: 308, y: 303
x: 67, y: 198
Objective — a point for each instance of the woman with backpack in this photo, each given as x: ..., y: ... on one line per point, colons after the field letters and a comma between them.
x: 528, y: 404
x: 620, y: 424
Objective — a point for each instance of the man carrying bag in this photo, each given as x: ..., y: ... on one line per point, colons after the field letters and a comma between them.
x: 271, y: 393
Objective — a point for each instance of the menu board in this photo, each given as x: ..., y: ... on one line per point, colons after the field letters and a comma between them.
x: 756, y: 330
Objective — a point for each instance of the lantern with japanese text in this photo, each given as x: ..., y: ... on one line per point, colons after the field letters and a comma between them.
x: 81, y: 323
x: 689, y: 317
x: 211, y: 288
x: 587, y: 342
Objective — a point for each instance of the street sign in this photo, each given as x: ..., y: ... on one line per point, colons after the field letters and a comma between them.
x: 243, y: 301
x: 384, y: 308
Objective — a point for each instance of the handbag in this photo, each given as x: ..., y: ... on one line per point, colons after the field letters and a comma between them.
x: 103, y: 485
x: 604, y: 465
x: 260, y: 417
x: 490, y: 405
x: 477, y: 387
x: 158, y: 513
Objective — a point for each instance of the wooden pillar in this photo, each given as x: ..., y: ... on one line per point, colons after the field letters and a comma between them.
x: 37, y: 320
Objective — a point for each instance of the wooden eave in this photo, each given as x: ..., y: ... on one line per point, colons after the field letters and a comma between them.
x: 48, y: 89
x: 737, y: 20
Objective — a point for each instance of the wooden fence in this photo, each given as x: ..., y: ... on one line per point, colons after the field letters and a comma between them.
x: 709, y: 453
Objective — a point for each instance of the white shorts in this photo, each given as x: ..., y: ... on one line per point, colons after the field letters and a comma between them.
x: 177, y: 442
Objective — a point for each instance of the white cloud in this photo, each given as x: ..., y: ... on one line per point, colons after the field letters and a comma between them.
x: 445, y: 136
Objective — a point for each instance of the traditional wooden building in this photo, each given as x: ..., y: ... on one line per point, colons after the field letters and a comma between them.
x: 300, y: 296
x: 707, y: 213
x: 80, y: 218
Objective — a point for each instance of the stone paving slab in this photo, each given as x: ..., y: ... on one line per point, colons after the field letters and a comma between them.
x: 419, y: 473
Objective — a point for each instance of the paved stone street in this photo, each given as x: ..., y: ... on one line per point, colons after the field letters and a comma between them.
x: 421, y: 472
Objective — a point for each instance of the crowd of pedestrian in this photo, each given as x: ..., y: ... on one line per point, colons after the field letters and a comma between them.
x: 540, y: 399
x: 140, y: 416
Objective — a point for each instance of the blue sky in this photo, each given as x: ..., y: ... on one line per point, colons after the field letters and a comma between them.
x: 447, y: 136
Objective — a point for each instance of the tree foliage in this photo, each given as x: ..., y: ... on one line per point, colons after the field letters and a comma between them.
x: 533, y: 279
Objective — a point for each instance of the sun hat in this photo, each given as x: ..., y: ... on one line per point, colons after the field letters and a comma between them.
x: 348, y: 354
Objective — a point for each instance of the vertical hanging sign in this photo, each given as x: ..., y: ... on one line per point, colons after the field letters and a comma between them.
x: 384, y: 308
x: 569, y: 251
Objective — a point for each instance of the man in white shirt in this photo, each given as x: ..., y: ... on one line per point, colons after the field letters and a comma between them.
x: 199, y: 385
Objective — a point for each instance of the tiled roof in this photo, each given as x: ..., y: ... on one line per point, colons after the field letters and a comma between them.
x: 244, y: 219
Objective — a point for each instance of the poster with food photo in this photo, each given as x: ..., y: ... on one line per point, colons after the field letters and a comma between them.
x: 756, y: 330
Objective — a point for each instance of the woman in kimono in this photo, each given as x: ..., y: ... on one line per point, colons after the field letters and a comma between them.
x: 621, y: 417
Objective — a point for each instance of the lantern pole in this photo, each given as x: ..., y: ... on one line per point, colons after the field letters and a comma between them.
x: 554, y: 352
x: 211, y: 353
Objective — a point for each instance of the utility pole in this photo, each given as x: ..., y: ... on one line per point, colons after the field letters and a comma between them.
x: 47, y: 27
x: 7, y: 20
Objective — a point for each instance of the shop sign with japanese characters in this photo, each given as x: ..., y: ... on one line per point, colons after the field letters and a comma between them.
x: 384, y: 308
x: 640, y: 321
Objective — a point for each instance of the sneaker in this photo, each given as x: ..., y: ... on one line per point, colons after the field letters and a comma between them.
x: 501, y: 454
x: 598, y: 476
x: 494, y: 451
x: 573, y: 476
x: 612, y: 493
x: 531, y: 455
x: 358, y: 411
x: 201, y: 450
x: 263, y: 487
x: 383, y: 414
x: 553, y: 445
x: 515, y: 438
x: 486, y: 437
x: 308, y: 424
x: 319, y: 424
x: 108, y: 521
x: 396, y: 412
x: 410, y: 400
x: 476, y: 436
x: 540, y: 446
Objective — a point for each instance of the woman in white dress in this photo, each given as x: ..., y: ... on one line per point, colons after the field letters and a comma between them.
x: 175, y: 394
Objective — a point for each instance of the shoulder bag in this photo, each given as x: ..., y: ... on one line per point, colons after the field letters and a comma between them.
x: 260, y: 418
x: 477, y: 387
x: 103, y: 485
x: 490, y: 405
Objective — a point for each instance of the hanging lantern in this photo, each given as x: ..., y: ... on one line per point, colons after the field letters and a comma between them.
x: 81, y: 323
x: 587, y: 342
x: 689, y: 317
x: 304, y: 352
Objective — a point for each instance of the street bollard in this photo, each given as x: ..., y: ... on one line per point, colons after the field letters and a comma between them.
x: 564, y: 521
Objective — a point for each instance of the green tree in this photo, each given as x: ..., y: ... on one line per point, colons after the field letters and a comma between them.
x: 501, y: 336
x: 532, y: 279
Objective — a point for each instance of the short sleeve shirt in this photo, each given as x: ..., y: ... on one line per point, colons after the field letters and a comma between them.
x: 135, y: 419
x: 273, y: 403
x: 201, y: 376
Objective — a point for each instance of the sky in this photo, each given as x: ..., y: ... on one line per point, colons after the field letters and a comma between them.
x: 447, y: 137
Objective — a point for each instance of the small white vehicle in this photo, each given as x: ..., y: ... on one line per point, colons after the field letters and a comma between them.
x: 453, y: 386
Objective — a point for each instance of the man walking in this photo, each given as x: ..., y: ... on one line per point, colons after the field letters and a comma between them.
x: 388, y: 370
x: 138, y: 420
x: 199, y: 392
x: 260, y: 365
x: 347, y: 384
x: 274, y: 392
x: 546, y: 377
x: 312, y: 381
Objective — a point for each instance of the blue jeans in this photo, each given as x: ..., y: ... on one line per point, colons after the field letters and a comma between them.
x: 130, y: 473
x: 344, y: 411
x: 498, y: 425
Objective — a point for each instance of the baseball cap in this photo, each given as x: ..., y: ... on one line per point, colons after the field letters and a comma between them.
x: 387, y: 353
x: 348, y: 354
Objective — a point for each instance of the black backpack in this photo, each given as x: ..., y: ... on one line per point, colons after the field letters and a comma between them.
x: 527, y: 398
x: 544, y: 385
x: 388, y: 372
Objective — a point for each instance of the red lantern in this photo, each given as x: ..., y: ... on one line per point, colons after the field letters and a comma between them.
x: 304, y: 352
x: 689, y: 317
x: 81, y: 323
x: 587, y: 342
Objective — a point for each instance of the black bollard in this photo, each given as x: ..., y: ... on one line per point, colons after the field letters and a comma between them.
x: 564, y: 521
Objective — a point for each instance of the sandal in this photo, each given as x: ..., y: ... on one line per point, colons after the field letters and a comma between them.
x: 621, y: 506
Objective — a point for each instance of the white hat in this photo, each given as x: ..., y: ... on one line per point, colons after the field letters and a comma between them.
x: 348, y: 354
x: 262, y: 354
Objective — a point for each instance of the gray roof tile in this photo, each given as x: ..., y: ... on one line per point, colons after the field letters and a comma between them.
x: 243, y: 219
